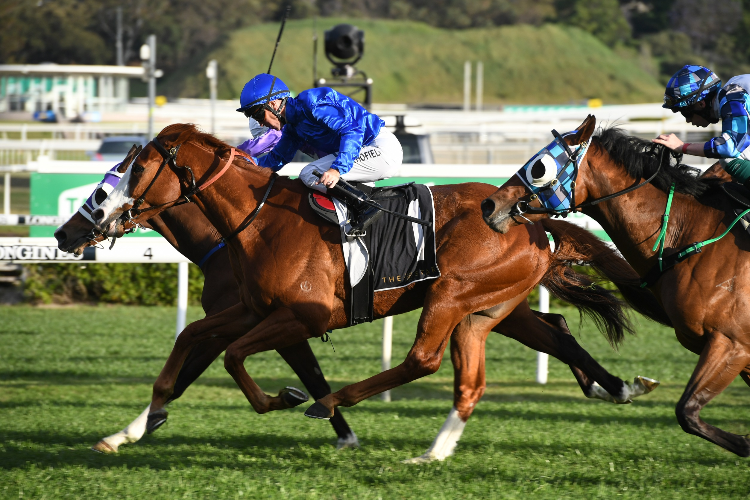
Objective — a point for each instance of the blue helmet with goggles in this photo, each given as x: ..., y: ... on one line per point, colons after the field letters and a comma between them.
x: 688, y: 86
x: 261, y: 90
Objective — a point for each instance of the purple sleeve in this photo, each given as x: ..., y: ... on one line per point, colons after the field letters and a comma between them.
x: 260, y: 145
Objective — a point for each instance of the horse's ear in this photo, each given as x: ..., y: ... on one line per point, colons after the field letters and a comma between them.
x: 132, y: 154
x: 584, y: 131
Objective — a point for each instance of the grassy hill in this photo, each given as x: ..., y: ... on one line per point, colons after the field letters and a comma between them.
x: 416, y: 63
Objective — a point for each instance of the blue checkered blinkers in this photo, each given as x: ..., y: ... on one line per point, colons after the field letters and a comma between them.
x: 550, y: 175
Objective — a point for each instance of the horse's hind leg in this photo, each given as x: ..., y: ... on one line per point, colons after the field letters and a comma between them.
x: 302, y: 360
x: 720, y: 362
x: 745, y: 374
x: 468, y: 356
x: 592, y: 390
x: 523, y: 326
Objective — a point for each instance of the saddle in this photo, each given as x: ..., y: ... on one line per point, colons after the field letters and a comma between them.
x: 740, y: 195
x: 393, y: 252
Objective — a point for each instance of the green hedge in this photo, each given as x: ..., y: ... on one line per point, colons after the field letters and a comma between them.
x: 142, y: 284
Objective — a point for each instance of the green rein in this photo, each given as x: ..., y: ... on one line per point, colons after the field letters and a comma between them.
x: 655, y: 273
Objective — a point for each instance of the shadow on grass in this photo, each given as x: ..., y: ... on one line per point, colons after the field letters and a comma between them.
x: 262, y: 453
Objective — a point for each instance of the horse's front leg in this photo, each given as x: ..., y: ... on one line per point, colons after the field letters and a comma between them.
x: 440, y: 315
x: 721, y: 360
x: 200, y: 358
x: 280, y: 329
x: 228, y: 324
x: 302, y: 360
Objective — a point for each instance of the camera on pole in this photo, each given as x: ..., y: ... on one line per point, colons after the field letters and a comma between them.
x: 344, y: 46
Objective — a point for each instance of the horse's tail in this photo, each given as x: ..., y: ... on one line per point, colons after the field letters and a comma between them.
x: 576, y: 245
x: 599, y: 304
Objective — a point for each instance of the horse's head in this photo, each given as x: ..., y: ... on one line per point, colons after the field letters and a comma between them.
x: 80, y: 230
x: 154, y: 181
x: 547, y: 184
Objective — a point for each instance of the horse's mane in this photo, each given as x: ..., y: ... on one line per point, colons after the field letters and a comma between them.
x: 184, y: 132
x: 640, y: 158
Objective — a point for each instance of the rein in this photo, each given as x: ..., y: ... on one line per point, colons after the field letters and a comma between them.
x: 661, y: 266
x: 170, y: 157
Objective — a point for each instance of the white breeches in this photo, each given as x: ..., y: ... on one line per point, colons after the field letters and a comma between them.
x: 380, y: 160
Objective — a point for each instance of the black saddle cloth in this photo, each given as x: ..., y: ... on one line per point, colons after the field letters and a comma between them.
x: 737, y: 192
x: 400, y: 252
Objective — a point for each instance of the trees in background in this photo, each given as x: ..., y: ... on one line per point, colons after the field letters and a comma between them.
x: 672, y: 32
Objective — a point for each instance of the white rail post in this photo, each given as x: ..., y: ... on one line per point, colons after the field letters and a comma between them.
x: 542, y: 359
x: 182, y: 296
x: 6, y: 194
x: 480, y: 85
x: 467, y: 86
x: 387, y: 348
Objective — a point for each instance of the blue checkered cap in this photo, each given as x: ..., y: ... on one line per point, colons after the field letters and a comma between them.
x: 688, y: 86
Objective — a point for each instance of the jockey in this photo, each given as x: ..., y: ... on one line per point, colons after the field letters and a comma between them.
x: 696, y: 92
x: 355, y: 144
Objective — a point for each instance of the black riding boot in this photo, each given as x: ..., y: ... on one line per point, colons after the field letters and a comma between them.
x: 364, y: 214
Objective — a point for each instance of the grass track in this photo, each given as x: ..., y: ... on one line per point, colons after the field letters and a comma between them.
x: 63, y: 386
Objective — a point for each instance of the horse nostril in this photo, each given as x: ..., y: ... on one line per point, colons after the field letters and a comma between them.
x: 97, y: 215
x: 60, y: 236
x: 488, y: 207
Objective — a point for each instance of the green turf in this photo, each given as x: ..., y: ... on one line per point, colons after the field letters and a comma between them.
x: 412, y: 62
x: 69, y: 376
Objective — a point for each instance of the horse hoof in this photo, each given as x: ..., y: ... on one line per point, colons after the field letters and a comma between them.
x: 319, y: 411
x: 648, y: 384
x: 424, y: 459
x: 350, y: 441
x: 104, y: 447
x: 156, y: 419
x: 293, y: 396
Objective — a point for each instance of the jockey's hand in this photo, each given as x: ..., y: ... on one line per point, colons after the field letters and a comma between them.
x: 329, y: 178
x: 669, y: 140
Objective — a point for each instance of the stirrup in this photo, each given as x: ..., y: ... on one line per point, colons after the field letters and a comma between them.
x: 364, y: 220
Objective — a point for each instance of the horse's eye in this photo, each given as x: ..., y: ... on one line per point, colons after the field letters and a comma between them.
x: 137, y: 169
x: 542, y: 170
x: 100, y: 196
x: 538, y: 170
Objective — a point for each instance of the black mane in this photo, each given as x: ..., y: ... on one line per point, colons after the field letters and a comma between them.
x: 641, y: 158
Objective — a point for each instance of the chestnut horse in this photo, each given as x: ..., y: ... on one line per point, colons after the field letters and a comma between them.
x: 705, y: 295
x: 186, y: 229
x: 292, y: 292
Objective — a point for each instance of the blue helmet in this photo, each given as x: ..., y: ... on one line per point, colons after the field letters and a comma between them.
x: 260, y: 90
x: 688, y: 86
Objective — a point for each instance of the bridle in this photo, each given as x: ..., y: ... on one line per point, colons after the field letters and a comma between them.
x: 522, y: 206
x: 169, y: 157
